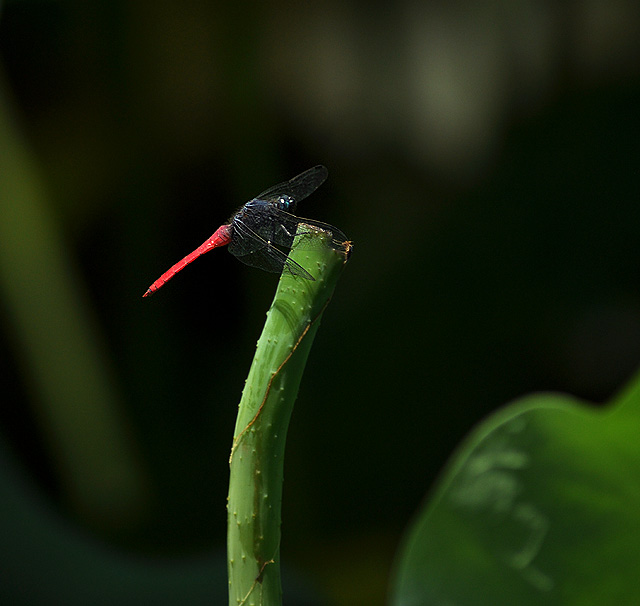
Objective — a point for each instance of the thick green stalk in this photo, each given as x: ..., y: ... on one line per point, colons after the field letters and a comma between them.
x: 257, y: 455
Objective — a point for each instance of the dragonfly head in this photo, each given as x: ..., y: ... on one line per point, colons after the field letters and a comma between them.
x: 286, y: 203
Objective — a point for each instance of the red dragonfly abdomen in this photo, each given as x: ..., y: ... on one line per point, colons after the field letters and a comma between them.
x: 221, y: 237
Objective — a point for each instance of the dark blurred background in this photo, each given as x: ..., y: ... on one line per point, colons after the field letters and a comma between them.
x: 484, y: 157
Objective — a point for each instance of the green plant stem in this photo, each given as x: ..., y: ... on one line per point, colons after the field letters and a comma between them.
x: 257, y: 455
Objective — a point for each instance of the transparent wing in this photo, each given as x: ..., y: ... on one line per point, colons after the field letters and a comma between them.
x: 260, y: 223
x: 276, y: 262
x: 274, y: 225
x: 307, y: 240
x: 246, y: 239
x: 283, y: 227
x: 252, y: 249
x: 299, y: 187
x: 266, y: 224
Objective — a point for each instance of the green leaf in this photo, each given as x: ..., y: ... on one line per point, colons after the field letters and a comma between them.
x: 541, y: 505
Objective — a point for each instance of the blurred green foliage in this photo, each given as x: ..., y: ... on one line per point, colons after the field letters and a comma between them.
x: 482, y: 157
x: 540, y: 506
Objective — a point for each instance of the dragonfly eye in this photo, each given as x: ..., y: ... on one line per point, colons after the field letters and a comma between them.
x: 286, y: 203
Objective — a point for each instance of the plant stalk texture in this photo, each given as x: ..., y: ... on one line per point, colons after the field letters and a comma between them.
x: 257, y: 454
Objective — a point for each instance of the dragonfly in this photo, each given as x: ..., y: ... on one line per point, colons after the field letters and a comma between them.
x: 263, y: 230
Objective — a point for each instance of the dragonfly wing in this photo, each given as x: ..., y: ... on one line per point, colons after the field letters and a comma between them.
x: 260, y: 223
x: 338, y: 238
x: 288, y: 225
x: 299, y: 187
x: 252, y: 249
x: 245, y: 239
x: 275, y: 261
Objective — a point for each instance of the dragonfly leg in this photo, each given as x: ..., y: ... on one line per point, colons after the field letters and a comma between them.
x: 286, y: 231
